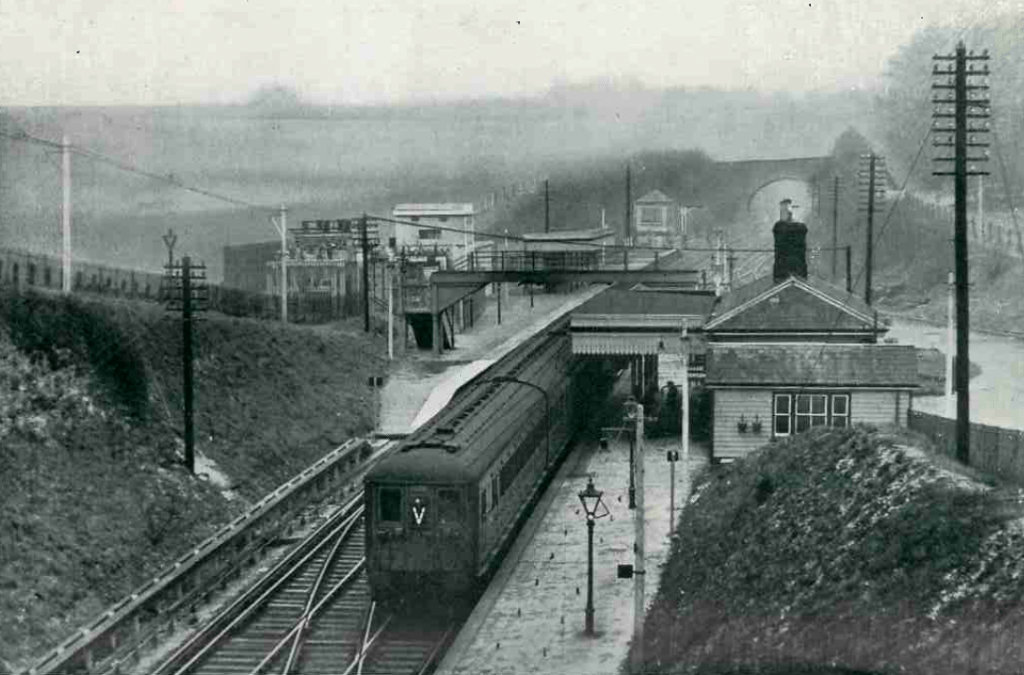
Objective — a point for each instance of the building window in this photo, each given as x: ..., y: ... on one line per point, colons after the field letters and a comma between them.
x: 390, y: 505
x: 430, y: 234
x: 811, y: 411
x: 841, y: 410
x: 783, y: 410
x: 415, y: 219
x: 650, y: 214
x: 443, y: 219
x: 793, y: 413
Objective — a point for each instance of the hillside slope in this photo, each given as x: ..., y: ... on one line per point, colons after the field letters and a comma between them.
x: 842, y: 551
x: 93, y: 497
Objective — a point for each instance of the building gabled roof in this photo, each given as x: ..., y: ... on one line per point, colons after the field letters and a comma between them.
x: 447, y: 209
x: 820, y: 365
x: 621, y: 300
x: 794, y: 304
x: 654, y: 197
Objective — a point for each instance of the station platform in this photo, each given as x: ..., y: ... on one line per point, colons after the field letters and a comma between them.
x: 531, y: 618
x: 421, y: 383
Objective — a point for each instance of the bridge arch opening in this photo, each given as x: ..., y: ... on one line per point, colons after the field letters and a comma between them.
x: 763, y: 205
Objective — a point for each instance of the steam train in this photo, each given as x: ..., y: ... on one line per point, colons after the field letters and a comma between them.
x: 441, y: 508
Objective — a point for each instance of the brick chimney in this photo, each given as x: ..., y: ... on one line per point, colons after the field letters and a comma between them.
x: 790, y: 245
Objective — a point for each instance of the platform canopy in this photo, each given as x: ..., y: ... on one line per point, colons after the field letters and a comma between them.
x: 631, y: 320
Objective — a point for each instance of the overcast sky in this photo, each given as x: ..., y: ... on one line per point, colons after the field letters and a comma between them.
x: 344, y: 51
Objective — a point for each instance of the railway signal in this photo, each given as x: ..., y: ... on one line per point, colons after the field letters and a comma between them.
x: 184, y: 290
x: 960, y: 114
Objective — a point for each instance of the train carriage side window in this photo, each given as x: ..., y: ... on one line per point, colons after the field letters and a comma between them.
x: 483, y: 503
x: 390, y: 505
x: 449, y: 507
x: 494, y: 492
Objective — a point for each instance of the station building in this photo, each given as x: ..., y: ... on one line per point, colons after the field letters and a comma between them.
x: 461, y: 218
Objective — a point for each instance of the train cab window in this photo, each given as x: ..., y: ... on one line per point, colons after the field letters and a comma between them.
x: 449, y: 507
x: 390, y: 505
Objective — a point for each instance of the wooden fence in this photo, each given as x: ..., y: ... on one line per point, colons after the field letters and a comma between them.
x: 995, y: 450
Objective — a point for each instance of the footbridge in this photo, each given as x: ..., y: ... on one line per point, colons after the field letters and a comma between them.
x: 431, y: 308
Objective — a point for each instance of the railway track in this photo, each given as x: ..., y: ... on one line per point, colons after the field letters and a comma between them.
x: 312, y: 614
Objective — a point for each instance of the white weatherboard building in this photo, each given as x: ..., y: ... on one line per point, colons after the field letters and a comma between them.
x: 426, y: 223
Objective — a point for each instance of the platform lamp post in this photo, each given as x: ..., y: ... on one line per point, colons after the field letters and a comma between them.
x: 591, y: 500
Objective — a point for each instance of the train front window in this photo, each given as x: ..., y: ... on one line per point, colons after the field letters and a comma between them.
x: 449, y: 507
x: 390, y: 505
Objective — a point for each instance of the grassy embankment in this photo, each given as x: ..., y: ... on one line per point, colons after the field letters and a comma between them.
x: 842, y: 551
x: 93, y: 497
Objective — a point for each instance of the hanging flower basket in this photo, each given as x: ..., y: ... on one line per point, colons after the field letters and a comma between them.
x: 741, y: 426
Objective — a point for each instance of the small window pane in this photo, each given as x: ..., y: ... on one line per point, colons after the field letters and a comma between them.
x: 782, y: 404
x: 391, y: 505
x: 840, y: 405
x: 818, y: 421
x: 818, y: 404
x: 839, y: 422
x: 803, y: 423
x: 803, y: 404
x: 782, y: 425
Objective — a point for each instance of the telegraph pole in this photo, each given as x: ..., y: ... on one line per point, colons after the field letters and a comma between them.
x: 65, y: 220
x: 638, y: 563
x: 282, y: 228
x: 547, y: 204
x: 629, y: 207
x: 366, y: 275
x: 187, y: 293
x: 960, y: 104
x: 835, y: 226
x: 872, y: 164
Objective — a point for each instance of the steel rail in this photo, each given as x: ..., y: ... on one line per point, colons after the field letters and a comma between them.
x: 245, y: 605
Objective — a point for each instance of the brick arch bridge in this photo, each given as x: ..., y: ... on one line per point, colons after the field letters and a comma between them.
x: 748, y: 177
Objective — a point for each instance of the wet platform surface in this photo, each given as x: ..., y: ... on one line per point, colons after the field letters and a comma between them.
x: 531, y: 619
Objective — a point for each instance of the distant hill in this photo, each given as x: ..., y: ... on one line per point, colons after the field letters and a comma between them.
x: 337, y: 161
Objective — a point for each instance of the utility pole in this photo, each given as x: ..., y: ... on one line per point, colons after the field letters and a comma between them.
x: 959, y: 105
x: 547, y: 204
x: 638, y: 547
x: 835, y: 226
x: 186, y: 291
x: 950, y: 345
x: 65, y: 220
x: 366, y: 275
x: 629, y: 208
x: 871, y: 165
x: 282, y: 228
x: 389, y: 281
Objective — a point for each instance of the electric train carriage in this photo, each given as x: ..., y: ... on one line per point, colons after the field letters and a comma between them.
x: 442, y: 506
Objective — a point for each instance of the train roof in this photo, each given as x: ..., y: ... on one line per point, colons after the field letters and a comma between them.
x: 460, y: 443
